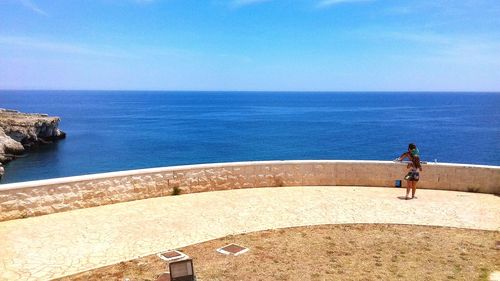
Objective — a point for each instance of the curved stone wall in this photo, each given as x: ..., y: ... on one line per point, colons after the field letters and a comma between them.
x: 20, y: 200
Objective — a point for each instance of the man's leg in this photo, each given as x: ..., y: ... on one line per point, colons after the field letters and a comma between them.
x: 408, y: 187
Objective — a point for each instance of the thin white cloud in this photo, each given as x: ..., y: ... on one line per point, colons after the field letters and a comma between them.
x: 241, y: 3
x: 33, y: 7
x: 415, y: 37
x: 33, y: 45
x: 56, y: 47
x: 329, y: 3
x: 472, y: 49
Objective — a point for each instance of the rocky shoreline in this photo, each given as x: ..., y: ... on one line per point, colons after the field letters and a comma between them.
x: 21, y: 132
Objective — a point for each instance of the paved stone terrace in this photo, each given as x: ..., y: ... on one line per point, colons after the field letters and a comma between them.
x: 41, y: 248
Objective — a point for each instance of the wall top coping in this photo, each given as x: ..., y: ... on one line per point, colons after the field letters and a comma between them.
x: 66, y: 180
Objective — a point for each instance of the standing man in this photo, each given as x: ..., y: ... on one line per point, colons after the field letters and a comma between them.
x: 414, y: 167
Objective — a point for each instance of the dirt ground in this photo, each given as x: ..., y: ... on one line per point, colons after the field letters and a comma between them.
x: 332, y: 252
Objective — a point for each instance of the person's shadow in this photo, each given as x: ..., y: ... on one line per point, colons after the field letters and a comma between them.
x: 404, y: 198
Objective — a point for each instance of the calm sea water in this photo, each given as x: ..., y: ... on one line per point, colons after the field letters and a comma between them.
x: 110, y: 131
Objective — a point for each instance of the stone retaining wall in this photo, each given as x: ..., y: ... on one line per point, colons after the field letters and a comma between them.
x: 20, y: 200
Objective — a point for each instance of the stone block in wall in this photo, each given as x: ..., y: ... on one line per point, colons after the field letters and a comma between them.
x: 263, y: 176
x: 448, y: 179
x: 121, y: 197
x: 28, y: 202
x: 462, y: 175
x: 487, y: 180
x: 51, y: 190
x: 107, y: 200
x: 344, y: 174
x: 39, y: 211
x: 358, y: 171
x: 196, y: 173
x: 264, y: 180
x: 245, y: 175
x: 204, y: 183
x: 396, y: 170
x: 428, y: 179
x: 492, y: 181
x: 153, y: 189
x: 263, y: 169
x: 103, y: 184
x: 184, y: 189
x: 87, y: 194
x: 324, y: 174
x: 60, y: 208
x: 200, y: 188
x: 209, y: 183
x: 224, y: 172
x: 309, y: 174
x: 180, y: 181
x: 23, y: 195
x: 7, y: 215
x: 166, y: 189
x: 173, y: 183
x: 86, y: 185
x: 287, y: 175
x: 379, y: 174
x: 47, y: 200
x: 222, y: 183
x: 99, y: 193
x: 5, y: 196
x: 306, y: 173
x: 64, y: 189
x: 118, y: 188
x: 161, y: 187
x: 9, y: 205
x: 234, y: 181
x: 219, y: 181
x: 192, y: 177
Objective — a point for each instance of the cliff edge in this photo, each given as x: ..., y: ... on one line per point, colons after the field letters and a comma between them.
x: 20, y: 132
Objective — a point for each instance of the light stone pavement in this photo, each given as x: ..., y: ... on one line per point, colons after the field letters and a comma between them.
x: 51, y: 246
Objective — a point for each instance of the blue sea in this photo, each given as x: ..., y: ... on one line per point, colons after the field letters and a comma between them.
x: 121, y: 130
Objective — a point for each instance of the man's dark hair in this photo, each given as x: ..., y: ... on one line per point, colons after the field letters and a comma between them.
x: 415, y: 159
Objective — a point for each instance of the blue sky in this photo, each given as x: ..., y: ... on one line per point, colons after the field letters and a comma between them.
x: 283, y: 45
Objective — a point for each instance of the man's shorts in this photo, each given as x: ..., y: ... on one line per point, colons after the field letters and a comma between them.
x: 412, y: 176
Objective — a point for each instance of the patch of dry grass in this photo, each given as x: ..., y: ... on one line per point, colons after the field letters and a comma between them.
x: 332, y: 252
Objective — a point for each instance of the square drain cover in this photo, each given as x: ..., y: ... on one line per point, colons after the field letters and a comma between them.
x: 232, y: 249
x: 172, y: 255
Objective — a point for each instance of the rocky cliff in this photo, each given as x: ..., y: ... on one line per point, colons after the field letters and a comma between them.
x: 21, y: 131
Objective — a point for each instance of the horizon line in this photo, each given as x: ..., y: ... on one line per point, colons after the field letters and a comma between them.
x: 259, y: 91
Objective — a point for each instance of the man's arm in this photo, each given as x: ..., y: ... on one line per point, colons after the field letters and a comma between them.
x: 404, y: 155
